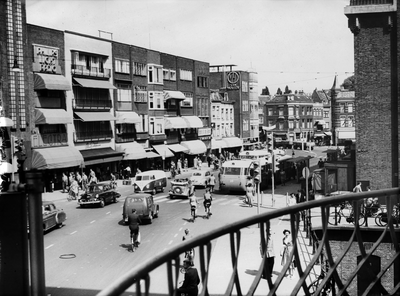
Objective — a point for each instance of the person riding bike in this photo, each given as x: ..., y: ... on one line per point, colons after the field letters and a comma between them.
x: 207, y: 202
x: 113, y: 182
x: 193, y: 204
x: 133, y: 222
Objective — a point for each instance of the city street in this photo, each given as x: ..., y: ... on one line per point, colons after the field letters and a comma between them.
x: 92, y: 249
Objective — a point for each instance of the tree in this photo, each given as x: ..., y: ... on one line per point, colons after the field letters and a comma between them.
x: 279, y: 92
x: 349, y: 83
x: 265, y: 91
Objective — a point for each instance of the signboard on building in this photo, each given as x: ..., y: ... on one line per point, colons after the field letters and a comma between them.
x: 233, y: 80
x: 49, y: 140
x: 46, y: 59
x: 205, y: 131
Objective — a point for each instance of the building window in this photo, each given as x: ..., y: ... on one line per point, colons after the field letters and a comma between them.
x: 143, y: 126
x: 281, y: 125
x: 245, y: 87
x: 124, y: 97
x: 122, y: 66
x: 188, y: 101
x: 156, y: 100
x: 280, y: 111
x: 139, y: 69
x: 155, y: 74
x: 156, y: 126
x: 185, y: 75
x: 202, y: 81
x: 172, y: 75
x: 341, y: 108
x: 245, y: 125
x: 343, y: 121
x: 166, y: 75
x: 203, y: 106
x: 290, y: 109
x: 290, y: 124
x: 270, y: 111
x: 245, y: 105
x: 350, y: 121
x: 350, y: 108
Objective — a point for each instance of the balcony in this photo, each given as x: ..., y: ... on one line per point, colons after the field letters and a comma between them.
x: 331, y: 258
x: 90, y: 71
x: 92, y: 104
x: 93, y: 136
x: 370, y: 6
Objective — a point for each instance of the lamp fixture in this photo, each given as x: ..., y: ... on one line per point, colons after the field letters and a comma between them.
x: 15, y: 67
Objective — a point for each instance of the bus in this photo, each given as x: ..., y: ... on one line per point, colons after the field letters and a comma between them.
x: 234, y: 173
x: 262, y: 154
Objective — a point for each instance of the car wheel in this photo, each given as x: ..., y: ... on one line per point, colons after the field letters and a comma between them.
x: 102, y: 203
x: 59, y: 225
x: 156, y: 214
x: 150, y: 218
x: 154, y: 191
x: 114, y: 200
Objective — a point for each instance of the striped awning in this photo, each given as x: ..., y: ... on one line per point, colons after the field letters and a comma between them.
x: 128, y: 117
x: 132, y: 151
x: 193, y: 121
x: 194, y: 147
x: 173, y: 94
x: 55, y: 158
x: 52, y: 116
x: 92, y: 83
x: 174, y: 122
x: 51, y: 81
x: 233, y: 142
x: 163, y: 151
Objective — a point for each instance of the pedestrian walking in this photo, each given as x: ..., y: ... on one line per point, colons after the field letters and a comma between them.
x: 286, y: 251
x: 195, y: 162
x: 357, y: 188
x: 84, y: 181
x: 199, y: 163
x: 211, y: 183
x: 64, y: 182
x: 185, y: 164
x: 270, y: 255
x: 179, y: 166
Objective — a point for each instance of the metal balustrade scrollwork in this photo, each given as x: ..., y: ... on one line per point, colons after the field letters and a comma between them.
x: 346, y: 259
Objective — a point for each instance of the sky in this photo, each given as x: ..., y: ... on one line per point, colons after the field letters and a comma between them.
x: 301, y: 44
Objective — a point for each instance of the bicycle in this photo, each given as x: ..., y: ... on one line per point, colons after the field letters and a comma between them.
x: 134, y: 242
x: 72, y: 195
x: 326, y: 290
x: 193, y: 212
x: 382, y: 218
x: 207, y: 206
x: 345, y: 210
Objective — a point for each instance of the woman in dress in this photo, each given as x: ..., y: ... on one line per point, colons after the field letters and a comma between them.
x: 287, y: 250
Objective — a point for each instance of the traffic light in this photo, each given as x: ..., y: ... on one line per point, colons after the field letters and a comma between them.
x: 256, y: 172
x: 275, y: 163
x: 270, y: 142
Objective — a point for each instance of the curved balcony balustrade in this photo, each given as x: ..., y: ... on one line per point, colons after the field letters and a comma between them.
x: 359, y: 246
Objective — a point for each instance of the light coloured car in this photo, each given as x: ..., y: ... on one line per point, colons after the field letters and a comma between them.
x: 200, y: 178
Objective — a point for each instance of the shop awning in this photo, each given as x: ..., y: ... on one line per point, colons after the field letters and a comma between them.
x: 55, y: 158
x: 328, y: 133
x: 52, y: 116
x: 347, y: 135
x: 233, y: 142
x: 193, y: 121
x: 177, y: 148
x: 132, y: 151
x: 298, y: 159
x: 163, y: 151
x: 101, y: 155
x: 151, y: 154
x: 194, y: 147
x: 128, y: 117
x: 92, y: 83
x: 217, y: 144
x: 173, y: 94
x: 95, y: 116
x: 175, y: 122
x: 6, y: 122
x: 320, y: 122
x: 51, y: 81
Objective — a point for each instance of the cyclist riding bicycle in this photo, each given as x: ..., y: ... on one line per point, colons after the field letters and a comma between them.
x: 193, y: 205
x: 134, y: 221
x: 207, y: 202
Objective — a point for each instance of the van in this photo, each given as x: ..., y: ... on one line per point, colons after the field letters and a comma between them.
x: 150, y: 181
x: 144, y: 205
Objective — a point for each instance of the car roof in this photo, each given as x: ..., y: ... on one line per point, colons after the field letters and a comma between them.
x: 46, y: 202
x: 133, y: 195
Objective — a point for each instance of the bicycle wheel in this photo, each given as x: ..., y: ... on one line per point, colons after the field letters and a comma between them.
x: 312, y: 288
x: 333, y: 217
x: 361, y: 219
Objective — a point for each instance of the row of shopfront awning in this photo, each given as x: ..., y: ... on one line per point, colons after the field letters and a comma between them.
x: 63, y: 157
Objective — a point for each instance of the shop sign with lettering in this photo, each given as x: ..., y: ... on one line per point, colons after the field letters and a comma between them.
x: 49, y: 140
x: 233, y: 80
x: 46, y: 59
x: 204, y: 131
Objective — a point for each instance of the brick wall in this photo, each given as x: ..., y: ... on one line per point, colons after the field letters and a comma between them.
x: 373, y: 103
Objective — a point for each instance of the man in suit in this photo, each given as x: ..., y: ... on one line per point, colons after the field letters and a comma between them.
x: 192, y: 280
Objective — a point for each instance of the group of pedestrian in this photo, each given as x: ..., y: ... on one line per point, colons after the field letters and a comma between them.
x: 75, y: 181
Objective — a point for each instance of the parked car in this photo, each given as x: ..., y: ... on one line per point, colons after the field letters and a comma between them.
x: 150, y: 181
x: 200, y: 178
x: 52, y: 216
x: 144, y: 205
x: 181, y: 188
x: 98, y: 194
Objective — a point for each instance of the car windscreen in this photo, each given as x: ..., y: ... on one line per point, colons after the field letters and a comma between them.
x: 143, y: 178
x: 134, y: 200
x: 196, y: 174
x: 232, y: 171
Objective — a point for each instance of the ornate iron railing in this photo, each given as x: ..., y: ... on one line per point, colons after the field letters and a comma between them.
x: 341, y: 277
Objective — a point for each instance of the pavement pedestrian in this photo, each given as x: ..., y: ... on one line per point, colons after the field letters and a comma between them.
x: 270, y: 255
x: 185, y: 164
x: 283, y: 177
x: 292, y: 199
x: 64, y: 182
x: 250, y: 191
x: 127, y: 172
x: 179, y: 166
x: 191, y: 281
x: 195, y: 162
x: 84, y: 181
x: 211, y: 183
x: 199, y: 163
x: 286, y: 251
x: 357, y: 188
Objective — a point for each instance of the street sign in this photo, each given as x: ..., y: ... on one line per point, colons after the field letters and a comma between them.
x: 305, y: 172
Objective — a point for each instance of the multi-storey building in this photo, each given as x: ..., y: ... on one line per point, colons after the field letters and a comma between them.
x: 254, y: 138
x: 292, y: 114
x: 83, y: 102
x: 343, y: 116
x: 322, y: 126
x: 234, y: 87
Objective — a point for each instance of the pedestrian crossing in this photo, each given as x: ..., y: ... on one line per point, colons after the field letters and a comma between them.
x: 223, y: 201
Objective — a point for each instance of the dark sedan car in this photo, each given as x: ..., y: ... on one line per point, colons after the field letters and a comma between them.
x: 52, y: 216
x: 144, y: 204
x: 98, y: 195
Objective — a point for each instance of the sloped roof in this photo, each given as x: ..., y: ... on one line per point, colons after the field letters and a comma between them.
x: 298, y: 98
